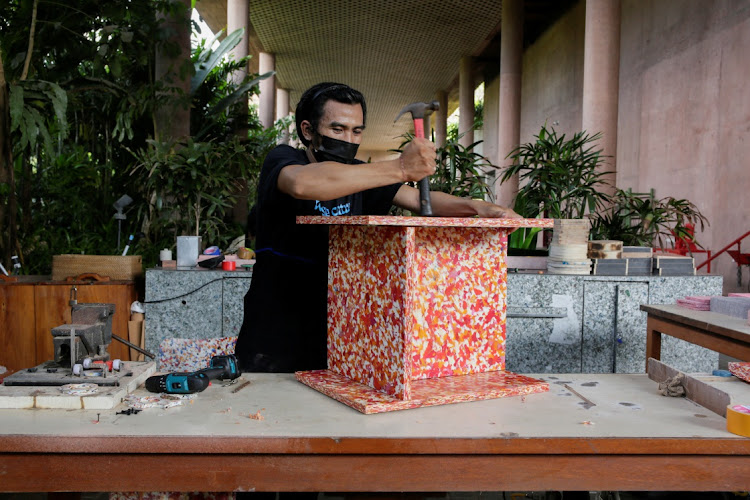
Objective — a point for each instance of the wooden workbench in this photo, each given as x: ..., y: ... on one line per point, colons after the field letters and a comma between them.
x: 602, y: 432
x: 715, y: 331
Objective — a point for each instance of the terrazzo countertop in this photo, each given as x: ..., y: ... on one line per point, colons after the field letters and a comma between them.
x: 195, y: 303
x: 556, y: 323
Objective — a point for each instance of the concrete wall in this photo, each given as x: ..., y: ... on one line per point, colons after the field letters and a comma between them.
x: 684, y: 109
x: 552, y: 82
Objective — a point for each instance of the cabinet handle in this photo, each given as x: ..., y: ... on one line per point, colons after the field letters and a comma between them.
x: 536, y: 312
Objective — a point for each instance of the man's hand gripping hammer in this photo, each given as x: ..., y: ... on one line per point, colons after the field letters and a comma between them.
x: 418, y: 112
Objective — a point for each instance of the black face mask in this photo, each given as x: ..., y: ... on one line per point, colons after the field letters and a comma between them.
x: 331, y: 149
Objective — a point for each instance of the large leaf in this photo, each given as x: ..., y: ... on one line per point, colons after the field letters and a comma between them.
x: 213, y: 57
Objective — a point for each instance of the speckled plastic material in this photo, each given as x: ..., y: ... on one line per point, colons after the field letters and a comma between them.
x: 413, y: 299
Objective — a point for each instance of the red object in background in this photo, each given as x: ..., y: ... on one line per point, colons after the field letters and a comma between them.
x: 687, y: 246
x: 229, y: 265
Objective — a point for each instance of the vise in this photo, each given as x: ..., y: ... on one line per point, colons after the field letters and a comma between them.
x: 88, y: 334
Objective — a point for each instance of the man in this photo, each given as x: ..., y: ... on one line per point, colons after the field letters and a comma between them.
x: 284, y: 327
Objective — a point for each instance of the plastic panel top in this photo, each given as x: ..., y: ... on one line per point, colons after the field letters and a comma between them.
x: 387, y: 220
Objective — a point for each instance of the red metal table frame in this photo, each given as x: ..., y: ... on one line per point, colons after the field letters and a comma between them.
x: 718, y: 332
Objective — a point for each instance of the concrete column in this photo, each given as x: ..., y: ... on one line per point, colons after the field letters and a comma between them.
x: 282, y: 110
x: 441, y: 119
x: 173, y: 119
x: 491, y: 120
x: 509, y: 119
x: 238, y: 16
x: 266, y: 63
x: 466, y: 101
x: 601, y: 74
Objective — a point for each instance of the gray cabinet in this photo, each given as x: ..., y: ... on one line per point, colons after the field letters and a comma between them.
x: 614, y: 329
x: 555, y: 323
x: 194, y: 304
x: 543, y: 326
x: 593, y: 324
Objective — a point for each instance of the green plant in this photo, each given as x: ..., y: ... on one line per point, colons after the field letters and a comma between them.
x: 559, y: 178
x: 219, y: 104
x: 189, y: 187
x: 640, y: 219
x: 76, y: 85
x: 461, y: 171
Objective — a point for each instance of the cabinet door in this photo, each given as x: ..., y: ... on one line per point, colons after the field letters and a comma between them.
x: 17, y: 339
x: 182, y: 304
x: 614, y: 328
x: 52, y: 309
x: 543, y: 327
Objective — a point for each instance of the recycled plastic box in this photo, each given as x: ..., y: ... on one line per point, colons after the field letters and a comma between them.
x: 416, y: 312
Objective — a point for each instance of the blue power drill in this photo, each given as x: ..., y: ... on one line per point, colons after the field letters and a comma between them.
x: 223, y: 367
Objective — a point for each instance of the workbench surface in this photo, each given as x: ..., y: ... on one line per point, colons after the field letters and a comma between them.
x: 614, y: 434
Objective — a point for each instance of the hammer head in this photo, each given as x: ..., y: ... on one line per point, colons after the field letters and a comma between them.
x: 419, y: 109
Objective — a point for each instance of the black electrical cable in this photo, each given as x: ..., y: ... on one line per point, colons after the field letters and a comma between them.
x: 204, y: 285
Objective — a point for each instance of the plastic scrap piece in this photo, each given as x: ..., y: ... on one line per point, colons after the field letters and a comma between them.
x: 79, y: 389
x: 673, y: 386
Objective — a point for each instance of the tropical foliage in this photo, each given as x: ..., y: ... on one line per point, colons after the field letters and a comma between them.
x: 640, y: 219
x: 78, y: 100
x: 559, y: 178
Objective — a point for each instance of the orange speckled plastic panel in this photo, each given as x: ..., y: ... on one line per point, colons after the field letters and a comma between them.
x: 416, y: 311
x: 388, y: 220
x: 427, y: 392
x: 408, y: 303
x: 459, y: 307
x: 369, y: 305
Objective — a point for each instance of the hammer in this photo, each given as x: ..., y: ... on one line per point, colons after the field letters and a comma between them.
x: 418, y: 111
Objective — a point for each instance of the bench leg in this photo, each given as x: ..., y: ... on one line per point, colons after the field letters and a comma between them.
x: 653, y: 343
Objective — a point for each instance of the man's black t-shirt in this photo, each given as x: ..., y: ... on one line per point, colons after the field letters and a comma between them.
x: 284, y: 327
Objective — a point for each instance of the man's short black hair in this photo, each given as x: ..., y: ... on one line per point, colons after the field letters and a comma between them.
x: 311, y: 104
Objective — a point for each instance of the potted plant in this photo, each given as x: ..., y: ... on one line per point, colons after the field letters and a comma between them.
x: 560, y: 178
x: 640, y: 219
x: 461, y: 171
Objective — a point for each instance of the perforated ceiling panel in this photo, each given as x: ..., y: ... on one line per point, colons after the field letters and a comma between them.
x: 394, y: 51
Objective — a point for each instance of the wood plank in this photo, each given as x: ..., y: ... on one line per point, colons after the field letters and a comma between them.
x: 17, y: 339
x: 736, y: 348
x: 506, y: 445
x: 696, y: 390
x: 720, y: 324
x: 125, y: 472
x: 653, y: 340
x: 52, y: 310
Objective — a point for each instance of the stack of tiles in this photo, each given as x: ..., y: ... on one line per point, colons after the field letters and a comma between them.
x: 737, y: 307
x: 567, y: 252
x: 746, y: 295
x: 607, y: 256
x: 696, y: 302
x: 671, y: 265
x: 639, y: 260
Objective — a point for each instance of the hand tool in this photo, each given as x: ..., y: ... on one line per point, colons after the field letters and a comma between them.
x: 418, y: 111
x: 223, y: 367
